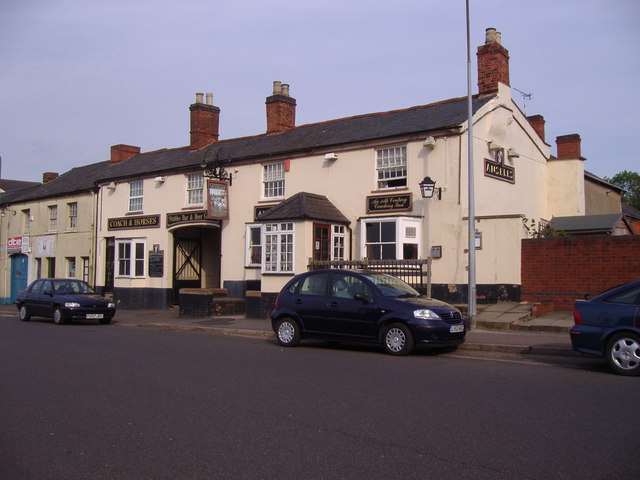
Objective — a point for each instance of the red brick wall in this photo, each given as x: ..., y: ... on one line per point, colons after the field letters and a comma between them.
x: 493, y: 67
x: 557, y: 271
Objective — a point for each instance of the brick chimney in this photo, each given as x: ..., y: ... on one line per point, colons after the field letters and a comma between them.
x: 537, y: 122
x: 493, y: 63
x: 281, y: 109
x: 569, y: 146
x: 48, y: 176
x: 120, y: 153
x: 205, y: 122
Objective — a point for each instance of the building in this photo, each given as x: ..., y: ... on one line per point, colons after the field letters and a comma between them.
x: 246, y: 214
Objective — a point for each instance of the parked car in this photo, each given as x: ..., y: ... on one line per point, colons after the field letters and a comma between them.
x: 364, y: 306
x: 63, y: 300
x: 608, y: 325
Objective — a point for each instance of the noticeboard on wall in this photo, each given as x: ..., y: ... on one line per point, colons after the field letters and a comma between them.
x: 217, y: 200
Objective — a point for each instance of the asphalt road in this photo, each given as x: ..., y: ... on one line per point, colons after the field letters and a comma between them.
x: 113, y: 402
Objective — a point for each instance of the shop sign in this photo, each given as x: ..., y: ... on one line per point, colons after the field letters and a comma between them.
x: 498, y: 170
x: 217, y: 200
x: 187, y: 217
x: 17, y: 245
x: 389, y: 203
x: 125, y: 223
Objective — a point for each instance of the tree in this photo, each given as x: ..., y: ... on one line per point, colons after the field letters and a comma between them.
x: 630, y: 182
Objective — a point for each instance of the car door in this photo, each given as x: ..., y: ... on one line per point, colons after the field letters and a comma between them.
x: 36, y: 299
x: 310, y: 303
x: 352, y: 311
x: 621, y: 309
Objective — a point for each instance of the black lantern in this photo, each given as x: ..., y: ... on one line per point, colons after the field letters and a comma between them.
x: 428, y: 187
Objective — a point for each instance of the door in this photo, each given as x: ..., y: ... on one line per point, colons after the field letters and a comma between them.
x: 109, y: 259
x: 19, y: 274
x: 187, y: 265
x: 321, y: 242
x: 350, y: 316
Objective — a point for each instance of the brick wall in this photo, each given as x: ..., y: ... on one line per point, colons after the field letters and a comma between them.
x: 557, y: 271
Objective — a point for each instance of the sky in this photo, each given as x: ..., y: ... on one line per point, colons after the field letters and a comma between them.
x: 78, y: 76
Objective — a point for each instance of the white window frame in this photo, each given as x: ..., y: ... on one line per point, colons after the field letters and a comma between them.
x: 85, y: 269
x: 136, y: 196
x: 53, y: 218
x: 278, y: 247
x: 195, y: 189
x: 391, y: 167
x: 250, y: 246
x: 131, y: 266
x: 73, y: 215
x: 26, y: 219
x: 405, y: 228
x: 338, y: 242
x: 273, y: 180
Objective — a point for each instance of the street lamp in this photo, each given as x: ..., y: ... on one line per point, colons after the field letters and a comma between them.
x: 428, y: 188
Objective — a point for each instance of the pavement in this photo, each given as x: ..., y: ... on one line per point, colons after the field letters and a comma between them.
x: 502, y: 327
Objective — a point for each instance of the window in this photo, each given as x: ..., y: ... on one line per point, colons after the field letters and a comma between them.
x: 391, y: 165
x: 26, y: 222
x: 130, y: 258
x: 338, y: 242
x: 253, y: 256
x: 73, y: 215
x: 71, y: 267
x: 195, y: 189
x: 53, y: 218
x: 273, y: 180
x: 348, y: 286
x: 315, y: 285
x: 38, y: 268
x: 85, y: 269
x: 135, y: 196
x: 278, y: 248
x: 391, y: 238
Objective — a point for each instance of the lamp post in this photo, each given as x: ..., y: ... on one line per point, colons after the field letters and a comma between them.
x: 472, y: 209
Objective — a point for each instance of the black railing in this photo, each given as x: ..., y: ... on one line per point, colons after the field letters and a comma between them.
x: 416, y: 273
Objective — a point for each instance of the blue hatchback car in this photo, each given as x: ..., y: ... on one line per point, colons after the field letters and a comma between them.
x: 364, y: 306
x: 608, y: 325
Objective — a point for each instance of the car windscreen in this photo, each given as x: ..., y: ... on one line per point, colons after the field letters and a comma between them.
x: 71, y: 287
x: 391, y: 286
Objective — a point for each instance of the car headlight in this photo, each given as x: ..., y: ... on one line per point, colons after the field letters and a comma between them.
x: 426, y: 314
x: 71, y: 304
x: 111, y: 305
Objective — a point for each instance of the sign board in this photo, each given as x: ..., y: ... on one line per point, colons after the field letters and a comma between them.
x: 187, y: 217
x: 156, y: 263
x: 126, y: 223
x: 217, y: 200
x: 389, y: 203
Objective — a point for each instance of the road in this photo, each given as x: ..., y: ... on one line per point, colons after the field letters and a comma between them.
x: 115, y: 402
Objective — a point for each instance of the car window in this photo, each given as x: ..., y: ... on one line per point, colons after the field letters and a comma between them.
x: 47, y: 286
x: 314, y: 284
x: 628, y: 297
x: 37, y: 287
x: 348, y: 286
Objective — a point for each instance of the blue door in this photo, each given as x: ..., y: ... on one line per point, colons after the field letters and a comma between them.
x: 19, y: 274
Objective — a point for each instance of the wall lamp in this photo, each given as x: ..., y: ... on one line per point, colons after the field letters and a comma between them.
x: 428, y: 188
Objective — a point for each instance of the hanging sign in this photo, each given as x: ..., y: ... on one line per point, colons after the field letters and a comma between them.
x: 217, y: 200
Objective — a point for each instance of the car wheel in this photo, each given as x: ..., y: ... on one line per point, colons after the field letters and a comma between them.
x: 397, y: 339
x: 58, y: 318
x: 288, y: 332
x: 623, y: 353
x: 24, y: 314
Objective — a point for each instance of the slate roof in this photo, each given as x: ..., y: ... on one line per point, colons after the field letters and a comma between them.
x: 305, y: 206
x: 13, y: 185
x: 303, y: 139
x: 587, y: 224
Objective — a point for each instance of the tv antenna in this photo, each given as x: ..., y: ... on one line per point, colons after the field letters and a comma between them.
x: 525, y: 97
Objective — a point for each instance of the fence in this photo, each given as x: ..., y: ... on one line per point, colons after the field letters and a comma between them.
x: 416, y: 273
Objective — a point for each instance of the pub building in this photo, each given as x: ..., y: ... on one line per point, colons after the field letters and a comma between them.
x: 246, y: 214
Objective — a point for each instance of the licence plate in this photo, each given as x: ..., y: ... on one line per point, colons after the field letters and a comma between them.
x: 94, y: 315
x: 456, y: 328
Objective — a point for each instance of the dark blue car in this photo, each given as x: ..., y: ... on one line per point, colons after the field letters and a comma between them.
x: 363, y: 306
x: 608, y: 325
x: 64, y: 300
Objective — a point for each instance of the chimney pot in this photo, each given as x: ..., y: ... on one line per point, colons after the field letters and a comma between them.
x: 281, y: 109
x: 120, y: 153
x: 48, y: 176
x: 205, y: 122
x: 569, y: 146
